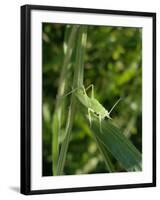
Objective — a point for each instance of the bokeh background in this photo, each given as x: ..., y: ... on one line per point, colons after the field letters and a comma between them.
x: 113, y: 63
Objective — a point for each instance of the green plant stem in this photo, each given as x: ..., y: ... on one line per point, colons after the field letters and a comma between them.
x: 77, y: 81
x: 56, y: 127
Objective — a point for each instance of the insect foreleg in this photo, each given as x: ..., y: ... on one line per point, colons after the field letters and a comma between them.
x: 100, y: 125
x: 89, y: 115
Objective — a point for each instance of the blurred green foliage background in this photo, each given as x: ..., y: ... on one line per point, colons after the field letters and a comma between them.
x: 113, y: 64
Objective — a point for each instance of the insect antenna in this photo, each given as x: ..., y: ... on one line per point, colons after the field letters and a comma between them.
x: 114, y: 105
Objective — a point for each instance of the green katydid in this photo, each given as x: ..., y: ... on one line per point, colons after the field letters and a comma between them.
x: 92, y: 104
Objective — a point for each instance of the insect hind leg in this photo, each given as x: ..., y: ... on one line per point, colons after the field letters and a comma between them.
x: 65, y: 95
x: 92, y: 90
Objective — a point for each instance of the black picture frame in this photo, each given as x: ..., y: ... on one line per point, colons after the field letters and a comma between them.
x: 26, y: 98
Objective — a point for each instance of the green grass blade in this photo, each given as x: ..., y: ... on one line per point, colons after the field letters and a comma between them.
x: 77, y: 81
x: 118, y: 145
x: 55, y: 145
x: 57, y: 118
x: 80, y: 51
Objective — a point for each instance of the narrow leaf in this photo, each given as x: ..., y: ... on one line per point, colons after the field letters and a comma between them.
x: 118, y: 145
x: 105, y: 155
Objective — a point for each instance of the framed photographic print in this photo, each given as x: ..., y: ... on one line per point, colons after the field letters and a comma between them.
x: 88, y: 99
